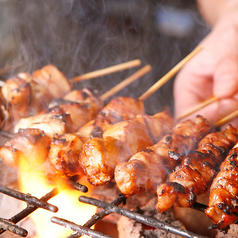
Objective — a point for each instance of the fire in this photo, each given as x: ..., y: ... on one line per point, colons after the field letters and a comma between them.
x: 35, y: 182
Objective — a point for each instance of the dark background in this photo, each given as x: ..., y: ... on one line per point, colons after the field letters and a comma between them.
x: 81, y: 36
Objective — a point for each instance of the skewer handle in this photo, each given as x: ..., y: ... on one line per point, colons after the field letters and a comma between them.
x: 126, y: 82
x: 226, y: 119
x: 169, y: 75
x: 109, y: 70
x: 198, y: 107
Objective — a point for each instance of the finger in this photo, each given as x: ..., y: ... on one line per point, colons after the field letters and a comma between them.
x: 226, y: 77
x: 189, y: 90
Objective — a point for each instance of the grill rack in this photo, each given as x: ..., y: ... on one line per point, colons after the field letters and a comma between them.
x: 34, y: 203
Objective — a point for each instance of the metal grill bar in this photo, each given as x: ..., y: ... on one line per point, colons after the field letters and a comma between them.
x: 7, y: 225
x: 33, y: 204
x: 78, y: 228
x: 108, y: 208
x: 100, y: 215
x: 150, y: 221
x: 28, y: 210
x: 31, y: 200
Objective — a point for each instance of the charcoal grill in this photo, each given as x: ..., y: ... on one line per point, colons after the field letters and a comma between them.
x: 34, y: 203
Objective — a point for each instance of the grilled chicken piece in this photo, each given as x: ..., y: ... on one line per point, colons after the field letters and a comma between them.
x: 64, y: 154
x: 53, y: 80
x: 16, y: 93
x: 223, y: 199
x: 84, y: 108
x: 85, y: 95
x: 148, y: 168
x: 28, y: 147
x: 120, y: 141
x: 5, y: 118
x: 52, y: 121
x: 197, y: 169
x: 26, y: 95
x: 119, y: 109
x: 40, y: 96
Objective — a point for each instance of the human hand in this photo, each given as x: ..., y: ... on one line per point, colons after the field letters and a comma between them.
x: 212, y: 72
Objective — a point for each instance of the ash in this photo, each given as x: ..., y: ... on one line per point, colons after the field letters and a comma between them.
x: 131, y: 229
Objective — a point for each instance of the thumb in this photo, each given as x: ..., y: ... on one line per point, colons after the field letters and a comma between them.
x: 226, y: 77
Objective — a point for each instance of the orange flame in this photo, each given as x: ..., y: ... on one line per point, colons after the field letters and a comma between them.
x: 34, y: 182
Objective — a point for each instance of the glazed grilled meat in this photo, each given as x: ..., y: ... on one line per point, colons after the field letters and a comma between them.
x: 53, y: 80
x: 64, y: 154
x: 118, y: 109
x: 80, y: 112
x: 26, y: 95
x: 16, y: 94
x: 148, y: 168
x: 40, y: 96
x: 197, y: 169
x: 223, y: 200
x: 120, y: 141
x: 28, y: 146
x: 52, y: 121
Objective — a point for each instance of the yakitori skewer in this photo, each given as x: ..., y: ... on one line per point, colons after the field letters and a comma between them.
x: 96, y: 127
x: 196, y: 171
x: 170, y: 74
x: 105, y: 71
x: 222, y: 209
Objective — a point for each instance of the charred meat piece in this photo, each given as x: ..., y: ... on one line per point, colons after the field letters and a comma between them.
x: 194, y: 176
x: 16, y: 94
x: 84, y: 108
x: 148, y: 168
x: 40, y: 96
x: 64, y: 154
x: 53, y: 80
x: 119, y: 142
x: 52, y: 121
x: 223, y: 199
x: 119, y: 109
x: 28, y: 147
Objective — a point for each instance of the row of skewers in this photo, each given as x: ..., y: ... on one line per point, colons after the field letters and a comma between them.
x: 140, y: 152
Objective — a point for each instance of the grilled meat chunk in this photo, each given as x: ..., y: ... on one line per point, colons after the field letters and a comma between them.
x: 118, y: 109
x: 120, y: 141
x: 148, y: 168
x: 223, y: 199
x: 64, y: 154
x: 16, y: 93
x: 196, y: 171
x: 52, y: 121
x: 53, y: 80
x: 28, y: 146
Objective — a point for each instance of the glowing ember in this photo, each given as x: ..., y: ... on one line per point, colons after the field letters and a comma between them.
x: 35, y: 183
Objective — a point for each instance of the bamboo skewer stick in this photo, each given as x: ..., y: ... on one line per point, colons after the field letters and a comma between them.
x: 169, y: 75
x: 126, y: 82
x: 105, y: 71
x: 226, y: 119
x: 198, y: 107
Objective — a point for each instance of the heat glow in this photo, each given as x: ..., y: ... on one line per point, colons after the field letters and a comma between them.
x: 35, y: 183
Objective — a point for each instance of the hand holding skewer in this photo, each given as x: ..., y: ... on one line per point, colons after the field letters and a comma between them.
x: 211, y: 74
